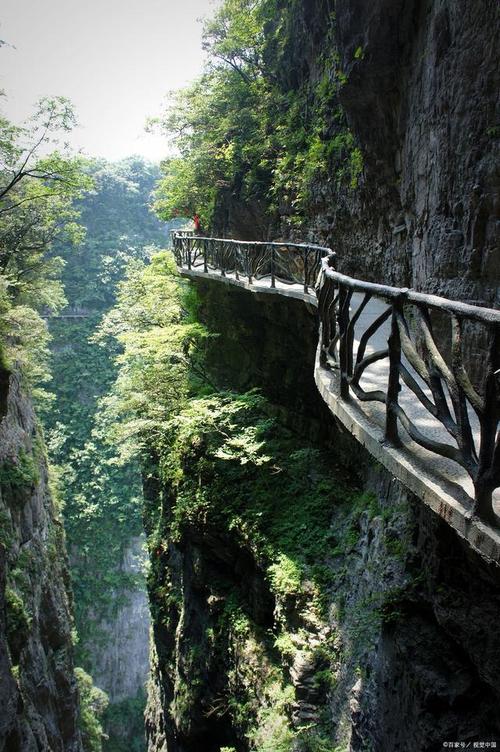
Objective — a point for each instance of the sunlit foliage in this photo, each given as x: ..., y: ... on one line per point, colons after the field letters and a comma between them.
x: 155, y: 327
x: 93, y: 703
x: 250, y: 127
x: 39, y: 184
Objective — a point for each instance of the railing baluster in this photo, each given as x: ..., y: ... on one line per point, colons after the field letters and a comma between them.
x: 221, y: 259
x: 325, y: 292
x: 344, y: 301
x: 410, y: 362
x: 393, y: 384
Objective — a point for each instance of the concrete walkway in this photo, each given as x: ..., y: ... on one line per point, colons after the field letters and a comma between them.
x: 441, y: 483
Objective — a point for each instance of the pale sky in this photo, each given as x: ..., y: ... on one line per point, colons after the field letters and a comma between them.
x: 115, y: 59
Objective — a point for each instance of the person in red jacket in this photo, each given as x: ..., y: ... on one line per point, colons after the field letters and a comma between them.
x: 197, y: 225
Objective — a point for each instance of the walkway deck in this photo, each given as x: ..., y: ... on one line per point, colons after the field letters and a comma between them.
x: 440, y: 483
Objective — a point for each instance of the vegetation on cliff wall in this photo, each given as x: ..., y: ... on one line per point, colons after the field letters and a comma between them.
x: 291, y: 585
x: 246, y: 492
x: 256, y: 126
x: 293, y: 609
x: 103, y: 496
x: 250, y: 533
x: 38, y: 683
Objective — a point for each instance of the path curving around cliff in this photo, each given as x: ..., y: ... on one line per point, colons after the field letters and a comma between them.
x: 440, y: 483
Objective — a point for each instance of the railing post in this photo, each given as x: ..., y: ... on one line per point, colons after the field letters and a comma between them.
x: 393, y: 385
x: 344, y: 300
x: 222, y: 264
x: 322, y: 295
x: 237, y: 257
x: 205, y: 251
x: 249, y: 265
x: 488, y: 474
x: 188, y: 243
x: 306, y: 271
x: 273, y: 277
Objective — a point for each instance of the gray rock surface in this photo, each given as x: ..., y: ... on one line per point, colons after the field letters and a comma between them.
x: 38, y: 691
x: 414, y: 651
x: 422, y: 100
x: 120, y: 661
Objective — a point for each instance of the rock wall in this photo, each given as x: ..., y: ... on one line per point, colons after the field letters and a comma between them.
x: 120, y: 662
x: 405, y: 654
x: 408, y: 655
x: 421, y: 99
x: 38, y: 691
x: 259, y: 336
x: 417, y: 84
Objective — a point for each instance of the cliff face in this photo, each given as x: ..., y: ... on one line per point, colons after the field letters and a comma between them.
x: 386, y: 638
x: 336, y: 610
x: 416, y: 83
x: 120, y: 660
x: 421, y: 98
x: 38, y: 691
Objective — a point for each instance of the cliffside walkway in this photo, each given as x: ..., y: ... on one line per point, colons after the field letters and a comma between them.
x: 393, y: 366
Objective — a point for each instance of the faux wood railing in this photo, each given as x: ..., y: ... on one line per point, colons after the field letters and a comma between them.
x: 279, y: 263
x: 432, y: 366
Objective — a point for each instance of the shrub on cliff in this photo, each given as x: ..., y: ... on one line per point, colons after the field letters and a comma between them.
x: 254, y: 127
x: 93, y: 703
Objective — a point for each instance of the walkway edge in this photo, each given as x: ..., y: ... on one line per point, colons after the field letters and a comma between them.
x: 255, y: 287
x: 482, y: 538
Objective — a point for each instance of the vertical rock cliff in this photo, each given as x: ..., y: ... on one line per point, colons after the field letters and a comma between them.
x: 421, y: 97
x: 38, y: 689
x: 302, y: 599
x: 120, y: 660
x: 409, y: 91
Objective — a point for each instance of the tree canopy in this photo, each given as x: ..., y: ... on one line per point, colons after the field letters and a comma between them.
x: 39, y: 185
x: 252, y: 127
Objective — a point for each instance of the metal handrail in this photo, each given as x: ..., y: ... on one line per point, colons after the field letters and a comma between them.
x: 277, y: 243
x: 417, y: 355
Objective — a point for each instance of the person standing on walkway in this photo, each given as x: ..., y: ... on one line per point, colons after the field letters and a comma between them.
x: 197, y: 225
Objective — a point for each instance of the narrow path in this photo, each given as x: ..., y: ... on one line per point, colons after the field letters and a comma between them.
x: 441, y: 483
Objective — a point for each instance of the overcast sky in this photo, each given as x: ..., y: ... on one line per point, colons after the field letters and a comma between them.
x: 115, y: 59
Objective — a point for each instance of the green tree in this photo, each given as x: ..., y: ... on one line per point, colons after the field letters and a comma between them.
x: 254, y: 125
x: 93, y: 703
x: 39, y: 184
x: 154, y: 324
x: 37, y: 203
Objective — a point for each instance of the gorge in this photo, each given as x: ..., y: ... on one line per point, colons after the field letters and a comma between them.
x: 300, y: 597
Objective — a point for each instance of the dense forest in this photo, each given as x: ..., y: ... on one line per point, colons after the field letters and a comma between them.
x: 102, y: 493
x: 194, y: 554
